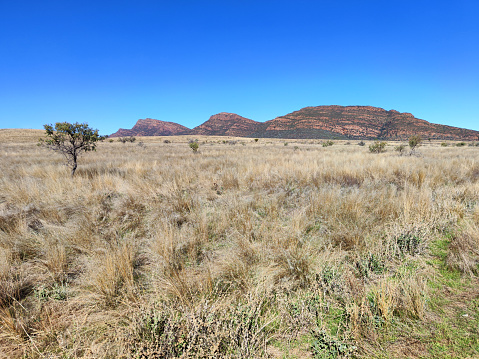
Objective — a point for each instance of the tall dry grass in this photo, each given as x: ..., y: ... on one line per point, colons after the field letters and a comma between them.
x: 153, y: 251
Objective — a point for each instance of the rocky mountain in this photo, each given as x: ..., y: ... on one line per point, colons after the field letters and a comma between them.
x: 340, y: 122
x: 228, y: 124
x: 151, y: 127
x: 358, y: 122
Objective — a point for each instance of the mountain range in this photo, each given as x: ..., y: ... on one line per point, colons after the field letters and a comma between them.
x: 320, y: 122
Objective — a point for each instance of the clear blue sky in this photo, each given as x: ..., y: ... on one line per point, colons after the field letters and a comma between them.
x: 110, y: 63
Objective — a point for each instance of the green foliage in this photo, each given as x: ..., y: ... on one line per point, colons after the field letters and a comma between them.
x: 371, y: 264
x: 56, y: 292
x: 325, y: 346
x: 70, y: 139
x: 194, y: 146
x: 409, y: 243
x: 256, y: 139
x: 378, y: 147
x: 327, y: 143
x: 460, y: 144
x: 415, y: 141
x: 444, y: 144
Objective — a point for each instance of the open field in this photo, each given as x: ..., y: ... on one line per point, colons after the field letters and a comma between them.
x: 245, y: 250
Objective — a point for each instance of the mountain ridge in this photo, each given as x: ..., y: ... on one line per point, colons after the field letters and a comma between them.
x: 321, y: 122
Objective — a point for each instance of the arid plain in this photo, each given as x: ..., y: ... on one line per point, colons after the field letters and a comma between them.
x: 247, y: 249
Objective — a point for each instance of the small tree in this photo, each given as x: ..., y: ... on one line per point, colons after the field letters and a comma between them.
x: 415, y: 141
x: 70, y: 139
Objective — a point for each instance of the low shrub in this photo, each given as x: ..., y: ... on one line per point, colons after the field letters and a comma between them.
x: 378, y: 147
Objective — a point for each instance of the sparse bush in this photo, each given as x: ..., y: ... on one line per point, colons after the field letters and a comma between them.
x: 460, y: 144
x: 286, y: 143
x: 444, y: 144
x: 361, y: 143
x: 194, y: 146
x: 126, y: 139
x: 378, y: 147
x: 327, y: 143
x: 414, y: 141
x: 256, y: 139
x: 111, y: 140
x: 166, y: 141
x: 401, y: 148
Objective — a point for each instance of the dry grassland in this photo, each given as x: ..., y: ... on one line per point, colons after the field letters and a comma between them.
x: 240, y: 251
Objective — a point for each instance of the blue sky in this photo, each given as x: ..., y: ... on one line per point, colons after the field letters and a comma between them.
x: 110, y: 63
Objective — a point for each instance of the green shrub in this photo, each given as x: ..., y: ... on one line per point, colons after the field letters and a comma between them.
x: 378, y: 147
x: 415, y: 141
x: 327, y: 143
x: 361, y: 143
x: 194, y: 146
x: 460, y: 144
x: 444, y: 144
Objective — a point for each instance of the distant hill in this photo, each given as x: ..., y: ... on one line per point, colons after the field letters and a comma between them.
x: 17, y: 135
x: 228, y: 124
x: 151, y: 127
x: 341, y: 122
x: 358, y: 122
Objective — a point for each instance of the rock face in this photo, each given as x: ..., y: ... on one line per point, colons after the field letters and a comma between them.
x: 340, y: 122
x: 151, y: 127
x: 228, y: 124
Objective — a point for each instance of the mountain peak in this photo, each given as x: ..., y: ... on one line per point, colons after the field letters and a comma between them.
x: 227, y: 124
x: 152, y: 127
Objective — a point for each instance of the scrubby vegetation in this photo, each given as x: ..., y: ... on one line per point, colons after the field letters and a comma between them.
x: 246, y: 251
x: 378, y: 147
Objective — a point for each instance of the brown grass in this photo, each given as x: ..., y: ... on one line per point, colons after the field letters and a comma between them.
x: 153, y: 251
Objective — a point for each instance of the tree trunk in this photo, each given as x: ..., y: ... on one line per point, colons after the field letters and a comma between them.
x: 74, y: 167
